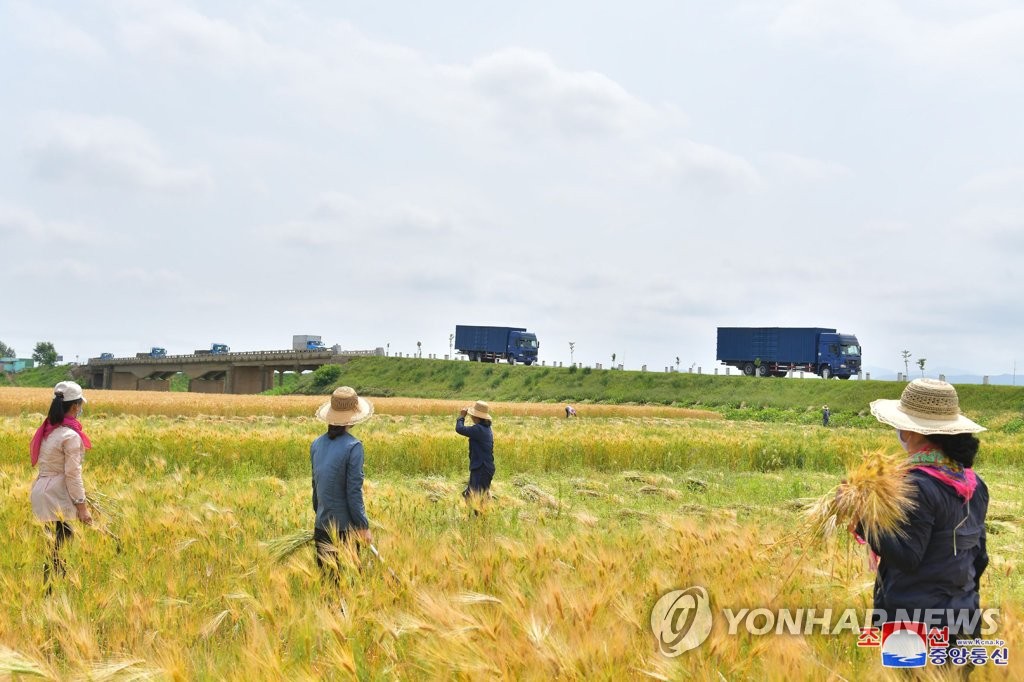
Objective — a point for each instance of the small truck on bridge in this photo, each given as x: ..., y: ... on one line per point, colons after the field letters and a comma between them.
x: 154, y: 352
x: 307, y: 342
x: 214, y: 349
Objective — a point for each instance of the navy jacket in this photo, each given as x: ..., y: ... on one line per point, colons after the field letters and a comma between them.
x: 481, y: 444
x: 338, y: 483
x: 923, y: 570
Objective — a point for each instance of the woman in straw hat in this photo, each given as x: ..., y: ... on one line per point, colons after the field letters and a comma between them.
x: 337, y: 461
x: 481, y: 449
x: 58, y: 494
x: 937, y: 558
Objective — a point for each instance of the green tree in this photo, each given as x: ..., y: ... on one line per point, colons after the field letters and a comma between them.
x: 45, y: 354
x: 6, y: 351
x: 906, y: 362
x: 326, y: 375
x: 920, y: 363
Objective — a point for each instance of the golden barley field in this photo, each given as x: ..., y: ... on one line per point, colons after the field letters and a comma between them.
x: 592, y: 520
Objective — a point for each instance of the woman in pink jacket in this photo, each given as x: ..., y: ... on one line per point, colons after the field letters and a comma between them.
x: 58, y: 494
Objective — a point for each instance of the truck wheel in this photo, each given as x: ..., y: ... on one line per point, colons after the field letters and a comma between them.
x: 826, y: 372
x: 748, y: 369
x: 528, y: 363
x: 843, y: 376
x: 511, y: 361
x: 762, y: 371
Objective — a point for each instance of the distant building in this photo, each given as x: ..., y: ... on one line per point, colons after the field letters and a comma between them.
x: 16, y: 364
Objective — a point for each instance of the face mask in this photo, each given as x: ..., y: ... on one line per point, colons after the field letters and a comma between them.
x: 903, y: 443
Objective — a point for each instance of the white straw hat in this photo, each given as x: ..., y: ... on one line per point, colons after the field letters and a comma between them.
x: 480, y: 410
x: 68, y: 391
x: 927, y: 406
x: 345, y: 408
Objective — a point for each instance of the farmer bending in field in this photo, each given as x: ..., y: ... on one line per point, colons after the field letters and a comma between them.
x: 337, y: 460
x: 481, y: 451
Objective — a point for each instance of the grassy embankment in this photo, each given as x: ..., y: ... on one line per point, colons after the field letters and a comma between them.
x: 736, y: 397
x: 36, y: 376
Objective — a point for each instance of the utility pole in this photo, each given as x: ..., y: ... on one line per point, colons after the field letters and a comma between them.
x: 572, y: 348
x: 451, y: 342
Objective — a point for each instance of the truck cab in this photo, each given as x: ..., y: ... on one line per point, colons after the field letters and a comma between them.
x: 522, y: 347
x: 838, y: 355
x: 158, y: 352
x: 106, y: 356
x: 218, y: 348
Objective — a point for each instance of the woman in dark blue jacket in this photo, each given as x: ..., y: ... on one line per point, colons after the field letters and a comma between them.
x: 931, y: 572
x: 481, y: 450
x: 337, y: 463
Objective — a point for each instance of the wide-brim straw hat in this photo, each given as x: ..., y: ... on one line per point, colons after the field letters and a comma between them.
x: 480, y: 410
x: 927, y: 406
x: 345, y: 408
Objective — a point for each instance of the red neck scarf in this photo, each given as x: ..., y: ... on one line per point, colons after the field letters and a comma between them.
x: 47, y: 428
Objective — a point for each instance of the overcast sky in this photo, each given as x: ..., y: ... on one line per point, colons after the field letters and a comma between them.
x: 628, y: 176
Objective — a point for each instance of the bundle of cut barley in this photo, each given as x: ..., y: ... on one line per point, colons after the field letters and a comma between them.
x: 876, y: 494
x: 284, y: 547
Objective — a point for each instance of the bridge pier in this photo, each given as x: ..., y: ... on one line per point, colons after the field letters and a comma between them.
x: 154, y: 385
x: 123, y: 381
x: 247, y: 380
x: 206, y: 386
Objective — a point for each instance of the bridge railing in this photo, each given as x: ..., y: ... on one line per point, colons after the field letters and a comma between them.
x: 270, y: 356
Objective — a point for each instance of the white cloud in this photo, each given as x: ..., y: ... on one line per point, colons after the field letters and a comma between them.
x: 806, y: 169
x: 882, y: 227
x: 525, y: 91
x: 961, y: 36
x: 688, y: 164
x: 18, y: 221
x: 50, y: 31
x: 498, y: 103
x: 178, y: 33
x: 56, y: 274
x: 107, y: 151
x: 339, y: 219
x: 1002, y: 180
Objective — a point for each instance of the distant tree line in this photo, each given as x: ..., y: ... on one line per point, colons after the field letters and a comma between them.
x: 45, y: 354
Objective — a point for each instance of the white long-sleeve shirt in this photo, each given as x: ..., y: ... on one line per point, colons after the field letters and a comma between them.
x: 59, y: 485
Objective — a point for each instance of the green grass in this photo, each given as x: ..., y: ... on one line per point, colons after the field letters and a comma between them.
x: 762, y: 399
x: 37, y: 376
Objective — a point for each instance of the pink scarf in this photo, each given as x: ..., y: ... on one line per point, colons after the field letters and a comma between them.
x: 954, y: 474
x: 47, y: 428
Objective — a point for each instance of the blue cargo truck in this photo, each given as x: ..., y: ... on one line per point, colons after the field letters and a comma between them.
x: 773, y: 351
x: 490, y: 344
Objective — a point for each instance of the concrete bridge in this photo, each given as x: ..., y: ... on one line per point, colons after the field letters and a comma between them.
x: 248, y: 372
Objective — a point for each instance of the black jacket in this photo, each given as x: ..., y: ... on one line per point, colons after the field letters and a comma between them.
x: 481, y: 444
x: 923, y: 569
